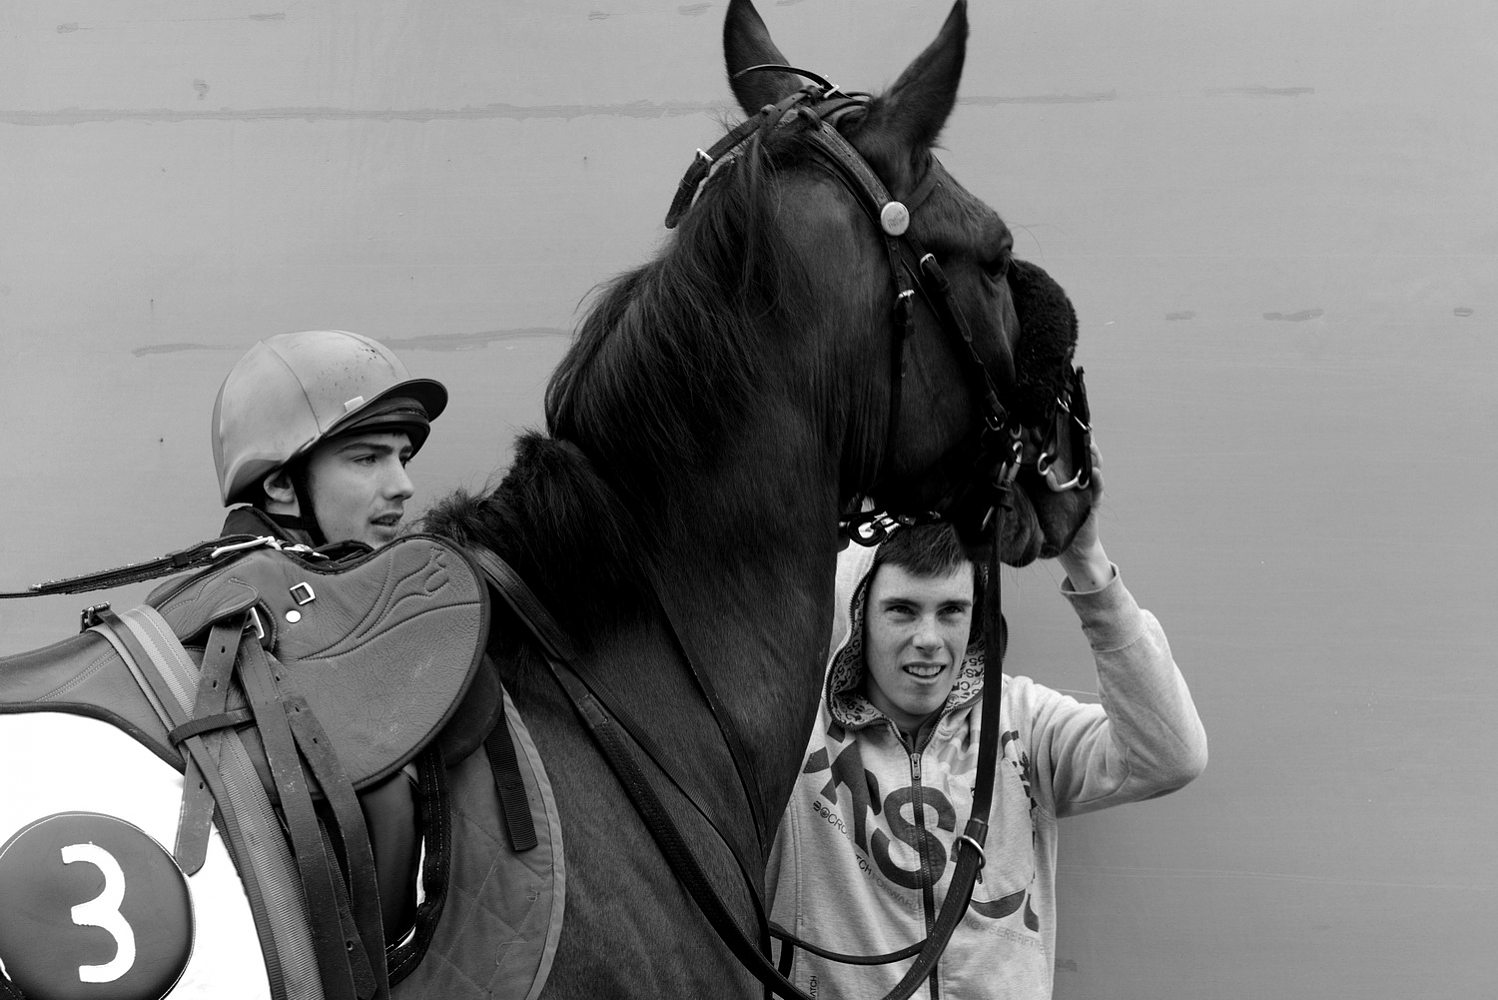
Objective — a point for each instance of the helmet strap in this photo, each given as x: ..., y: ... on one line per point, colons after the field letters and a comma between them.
x: 302, y: 485
x: 291, y: 522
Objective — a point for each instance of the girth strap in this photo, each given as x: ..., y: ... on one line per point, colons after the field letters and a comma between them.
x: 436, y: 862
x: 513, y: 805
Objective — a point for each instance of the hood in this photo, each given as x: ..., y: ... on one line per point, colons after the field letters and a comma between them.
x: 845, y: 699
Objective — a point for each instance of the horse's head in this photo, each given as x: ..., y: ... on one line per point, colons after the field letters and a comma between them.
x: 940, y: 390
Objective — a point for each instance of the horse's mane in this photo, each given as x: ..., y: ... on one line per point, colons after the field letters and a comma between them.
x: 560, y: 526
x: 665, y: 364
x: 670, y: 355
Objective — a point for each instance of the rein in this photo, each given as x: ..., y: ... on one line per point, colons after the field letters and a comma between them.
x: 206, y: 553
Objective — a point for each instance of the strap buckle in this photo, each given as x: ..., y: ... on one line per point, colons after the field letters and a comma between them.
x: 91, y: 615
x: 253, y: 620
x: 982, y: 857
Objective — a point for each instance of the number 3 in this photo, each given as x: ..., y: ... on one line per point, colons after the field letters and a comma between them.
x: 103, y: 911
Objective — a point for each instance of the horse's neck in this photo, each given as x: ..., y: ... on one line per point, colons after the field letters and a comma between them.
x: 743, y: 552
x: 748, y: 580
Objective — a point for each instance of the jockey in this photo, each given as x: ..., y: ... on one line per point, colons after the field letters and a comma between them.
x: 312, y: 431
x: 861, y: 860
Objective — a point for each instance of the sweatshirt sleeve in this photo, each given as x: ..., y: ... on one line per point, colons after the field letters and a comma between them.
x: 1144, y: 739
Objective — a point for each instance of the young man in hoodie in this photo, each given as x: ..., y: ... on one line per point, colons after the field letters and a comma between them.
x: 865, y: 850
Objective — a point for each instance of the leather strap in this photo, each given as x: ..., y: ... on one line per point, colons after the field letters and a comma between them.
x: 358, y: 860
x: 210, y: 724
x: 436, y: 861
x: 703, y: 163
x: 342, y: 962
x: 196, y: 817
x: 514, y: 807
x: 202, y: 554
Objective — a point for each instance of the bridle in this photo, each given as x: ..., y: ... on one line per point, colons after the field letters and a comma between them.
x: 1001, y: 444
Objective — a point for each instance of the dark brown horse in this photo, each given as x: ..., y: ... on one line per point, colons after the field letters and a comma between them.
x: 723, y: 405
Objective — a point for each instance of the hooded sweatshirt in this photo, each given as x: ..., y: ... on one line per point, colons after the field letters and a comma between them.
x: 864, y: 853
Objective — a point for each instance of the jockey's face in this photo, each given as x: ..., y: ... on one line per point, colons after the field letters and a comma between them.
x: 359, y: 486
x: 915, y: 633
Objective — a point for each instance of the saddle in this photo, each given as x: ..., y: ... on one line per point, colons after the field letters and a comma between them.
x: 314, y: 707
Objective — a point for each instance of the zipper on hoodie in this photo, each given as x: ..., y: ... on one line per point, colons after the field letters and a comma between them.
x: 928, y: 883
x: 914, y: 752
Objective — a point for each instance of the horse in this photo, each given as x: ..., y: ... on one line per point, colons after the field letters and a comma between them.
x: 721, y: 408
x: 728, y: 414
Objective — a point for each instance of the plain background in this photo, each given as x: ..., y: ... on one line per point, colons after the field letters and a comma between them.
x: 1277, y: 220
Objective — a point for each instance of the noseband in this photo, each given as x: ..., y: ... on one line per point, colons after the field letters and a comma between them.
x: 1001, y: 444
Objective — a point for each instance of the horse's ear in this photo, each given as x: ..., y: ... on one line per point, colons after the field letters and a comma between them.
x: 746, y: 42
x: 912, y: 112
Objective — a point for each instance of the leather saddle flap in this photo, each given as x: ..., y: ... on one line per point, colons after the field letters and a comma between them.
x: 383, y: 646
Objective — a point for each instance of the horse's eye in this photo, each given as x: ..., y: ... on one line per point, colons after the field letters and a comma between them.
x: 998, y: 268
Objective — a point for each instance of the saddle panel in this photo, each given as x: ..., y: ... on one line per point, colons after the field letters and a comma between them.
x: 83, y: 675
x: 503, y: 920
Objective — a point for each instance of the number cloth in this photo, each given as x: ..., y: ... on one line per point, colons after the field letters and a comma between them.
x: 68, y: 763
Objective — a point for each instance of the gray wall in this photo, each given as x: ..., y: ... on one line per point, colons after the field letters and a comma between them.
x: 1277, y: 221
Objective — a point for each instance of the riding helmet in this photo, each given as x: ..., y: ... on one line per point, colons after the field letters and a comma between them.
x: 293, y: 390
